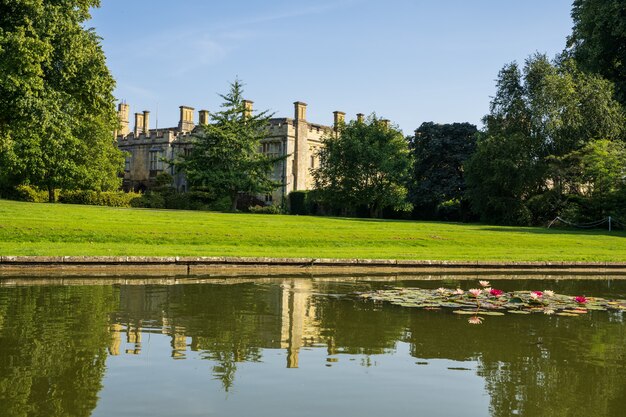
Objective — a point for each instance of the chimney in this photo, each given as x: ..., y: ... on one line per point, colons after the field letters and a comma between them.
x: 146, y: 122
x: 185, y: 124
x: 123, y: 113
x: 247, y: 108
x: 360, y: 117
x: 300, y: 110
x: 203, y: 117
x: 138, y: 124
x: 339, y: 118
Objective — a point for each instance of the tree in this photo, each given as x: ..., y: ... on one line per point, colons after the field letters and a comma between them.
x: 225, y: 158
x: 57, y: 114
x: 549, y: 111
x: 598, y: 39
x: 440, y: 152
x: 364, y: 164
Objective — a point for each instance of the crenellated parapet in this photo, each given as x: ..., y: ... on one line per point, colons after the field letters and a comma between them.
x: 297, y: 138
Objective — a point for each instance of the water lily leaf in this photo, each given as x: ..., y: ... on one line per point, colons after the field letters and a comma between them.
x: 451, y: 305
x: 518, y: 312
x: 490, y: 313
x: 567, y: 314
x: 515, y: 300
x: 576, y: 311
x: 464, y: 312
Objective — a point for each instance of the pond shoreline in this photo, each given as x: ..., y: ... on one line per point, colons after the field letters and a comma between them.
x: 202, y: 266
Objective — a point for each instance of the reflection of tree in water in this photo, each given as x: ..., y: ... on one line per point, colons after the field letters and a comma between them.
x: 535, y: 366
x: 53, y: 344
x: 354, y: 327
x: 227, y: 324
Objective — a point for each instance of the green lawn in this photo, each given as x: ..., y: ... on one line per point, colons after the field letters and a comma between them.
x: 55, y: 229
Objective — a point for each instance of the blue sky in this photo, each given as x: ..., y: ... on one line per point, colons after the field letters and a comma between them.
x: 410, y: 61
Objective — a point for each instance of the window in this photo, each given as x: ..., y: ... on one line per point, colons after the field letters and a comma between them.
x: 156, y: 163
x: 312, y: 161
x: 269, y: 198
x: 271, y: 149
x: 127, y: 162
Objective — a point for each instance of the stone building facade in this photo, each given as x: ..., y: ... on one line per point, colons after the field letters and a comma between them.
x: 147, y: 148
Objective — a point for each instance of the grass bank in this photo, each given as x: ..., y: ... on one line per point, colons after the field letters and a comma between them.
x: 55, y: 229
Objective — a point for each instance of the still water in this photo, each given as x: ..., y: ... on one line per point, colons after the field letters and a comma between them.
x: 301, y: 347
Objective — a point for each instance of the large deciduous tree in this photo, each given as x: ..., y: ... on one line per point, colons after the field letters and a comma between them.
x: 226, y: 157
x: 364, y: 164
x: 598, y: 40
x: 545, y: 113
x: 440, y: 152
x: 57, y: 114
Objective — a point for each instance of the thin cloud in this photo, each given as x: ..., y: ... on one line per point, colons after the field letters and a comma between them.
x: 288, y: 14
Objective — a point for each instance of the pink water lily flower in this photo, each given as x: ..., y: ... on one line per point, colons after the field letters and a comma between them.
x: 534, y: 295
x: 475, y: 320
x: 459, y: 291
x: 441, y: 290
x: 581, y: 299
x: 539, y: 293
x: 548, y: 293
x: 496, y: 293
x: 548, y: 311
x: 475, y: 292
x: 484, y: 283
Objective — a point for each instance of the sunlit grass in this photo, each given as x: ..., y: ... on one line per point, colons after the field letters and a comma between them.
x: 55, y: 229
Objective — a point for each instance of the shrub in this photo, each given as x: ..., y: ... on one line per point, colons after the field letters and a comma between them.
x: 222, y: 204
x: 298, y: 203
x: 264, y: 209
x: 29, y: 194
x: 96, y: 198
x: 449, y: 210
x: 149, y: 200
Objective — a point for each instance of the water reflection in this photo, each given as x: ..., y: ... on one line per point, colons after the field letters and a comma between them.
x: 55, y: 341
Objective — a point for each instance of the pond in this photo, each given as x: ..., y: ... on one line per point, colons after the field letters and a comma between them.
x: 301, y: 346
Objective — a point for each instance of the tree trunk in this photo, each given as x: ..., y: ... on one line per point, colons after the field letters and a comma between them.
x: 51, y: 198
x: 373, y: 211
x: 234, y: 197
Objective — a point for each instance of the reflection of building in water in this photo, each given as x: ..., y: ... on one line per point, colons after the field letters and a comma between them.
x: 297, y: 319
x: 288, y: 322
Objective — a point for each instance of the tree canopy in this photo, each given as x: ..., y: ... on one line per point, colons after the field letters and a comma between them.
x: 57, y: 114
x: 364, y: 163
x: 598, y: 38
x: 226, y: 157
x: 440, y: 152
x: 549, y: 111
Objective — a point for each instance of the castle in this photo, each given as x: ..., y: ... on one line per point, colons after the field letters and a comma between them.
x: 146, y: 148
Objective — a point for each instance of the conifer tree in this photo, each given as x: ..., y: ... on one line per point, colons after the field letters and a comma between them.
x: 226, y: 157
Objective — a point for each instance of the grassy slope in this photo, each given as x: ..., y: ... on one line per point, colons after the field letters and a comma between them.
x: 44, y: 229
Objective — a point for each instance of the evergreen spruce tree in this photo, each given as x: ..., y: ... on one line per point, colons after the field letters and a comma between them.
x: 226, y: 157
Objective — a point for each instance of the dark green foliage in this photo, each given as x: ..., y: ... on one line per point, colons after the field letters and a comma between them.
x: 298, y: 203
x: 598, y: 39
x: 226, y: 158
x: 440, y: 153
x: 57, y: 114
x: 364, y: 164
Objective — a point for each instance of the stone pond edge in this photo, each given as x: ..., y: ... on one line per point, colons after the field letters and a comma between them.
x: 187, y: 263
